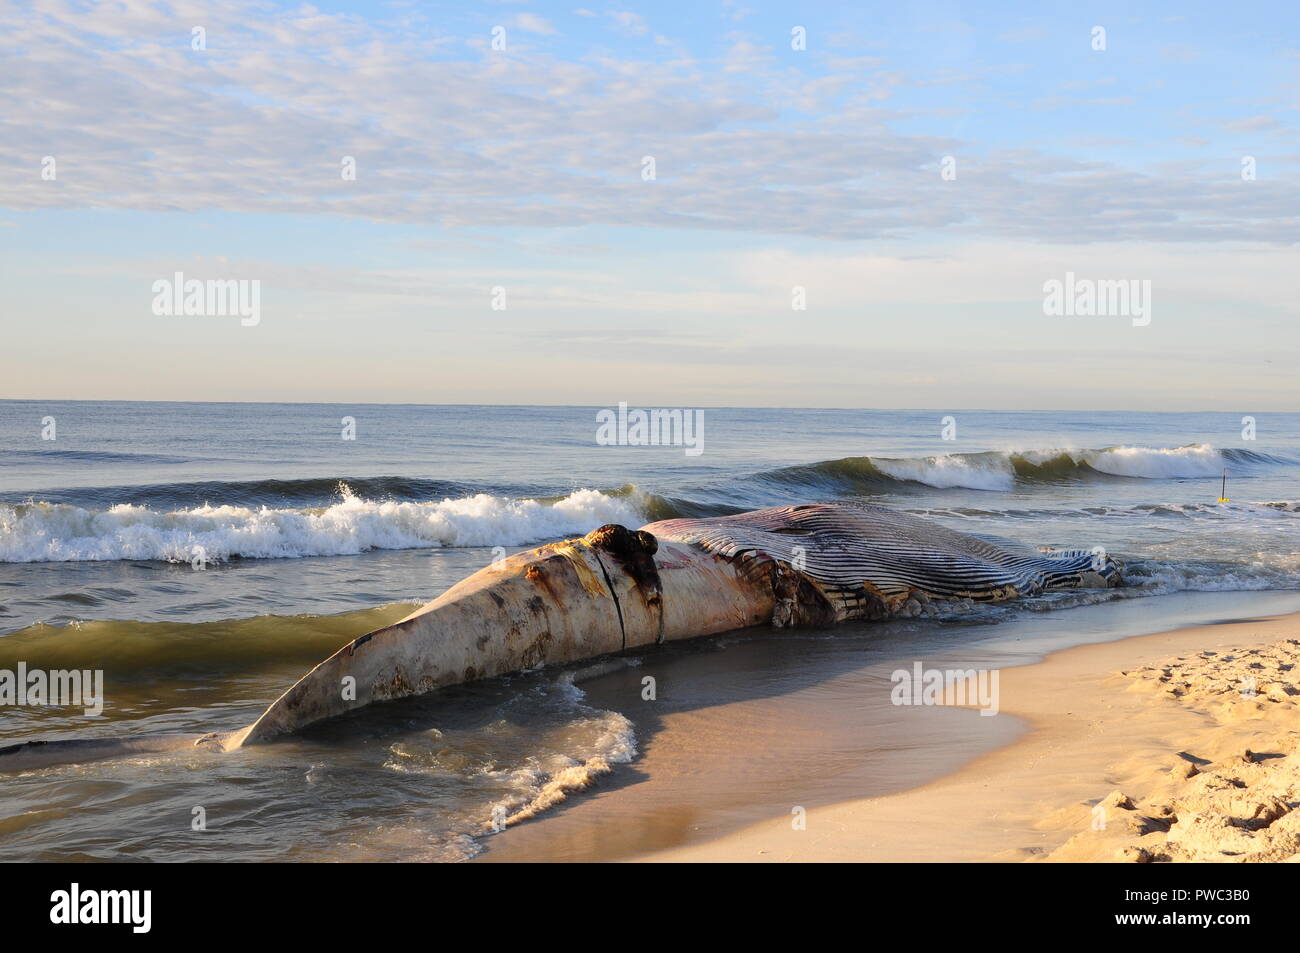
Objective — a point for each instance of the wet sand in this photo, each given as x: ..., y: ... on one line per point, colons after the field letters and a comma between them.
x: 1143, y: 749
x: 740, y: 731
x: 728, y: 780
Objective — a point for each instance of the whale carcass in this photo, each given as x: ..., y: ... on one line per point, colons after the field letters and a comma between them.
x: 619, y: 590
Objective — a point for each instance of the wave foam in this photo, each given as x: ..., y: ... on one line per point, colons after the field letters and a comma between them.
x: 551, y: 781
x: 60, y: 532
x: 527, y: 764
x: 1195, y: 460
x: 1001, y: 470
x: 952, y: 470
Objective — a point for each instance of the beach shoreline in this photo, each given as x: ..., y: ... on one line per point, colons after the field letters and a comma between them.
x: 1119, y: 743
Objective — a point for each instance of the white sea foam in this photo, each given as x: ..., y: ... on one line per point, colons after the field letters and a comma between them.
x: 57, y: 532
x: 952, y: 470
x: 609, y: 740
x: 528, y: 765
x: 1196, y: 460
x: 996, y: 470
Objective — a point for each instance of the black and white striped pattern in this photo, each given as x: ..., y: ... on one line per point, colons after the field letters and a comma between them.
x: 851, y: 547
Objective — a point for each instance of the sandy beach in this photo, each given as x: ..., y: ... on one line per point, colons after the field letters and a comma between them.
x: 1177, y: 746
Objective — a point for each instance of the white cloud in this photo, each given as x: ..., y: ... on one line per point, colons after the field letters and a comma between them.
x: 446, y: 133
x: 629, y: 22
x: 532, y: 23
x: 1253, y: 124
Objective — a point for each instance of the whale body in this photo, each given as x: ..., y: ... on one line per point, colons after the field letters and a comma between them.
x: 620, y: 590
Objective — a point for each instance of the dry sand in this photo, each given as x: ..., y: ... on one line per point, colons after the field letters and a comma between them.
x: 1172, y: 747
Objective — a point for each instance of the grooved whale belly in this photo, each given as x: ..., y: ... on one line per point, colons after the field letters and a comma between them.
x: 618, y: 589
x: 856, y: 551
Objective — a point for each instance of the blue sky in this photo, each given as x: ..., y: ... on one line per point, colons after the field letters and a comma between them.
x: 775, y: 168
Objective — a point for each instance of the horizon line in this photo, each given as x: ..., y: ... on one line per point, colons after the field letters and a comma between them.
x: 635, y: 405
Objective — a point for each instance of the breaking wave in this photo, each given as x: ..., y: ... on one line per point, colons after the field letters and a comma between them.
x: 322, y: 517
x: 1002, y: 470
x: 63, y: 532
x: 310, y: 491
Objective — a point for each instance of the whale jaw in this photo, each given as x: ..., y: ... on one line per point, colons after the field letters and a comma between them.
x: 611, y: 591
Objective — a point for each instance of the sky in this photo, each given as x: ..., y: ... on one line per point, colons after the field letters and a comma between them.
x: 849, y: 204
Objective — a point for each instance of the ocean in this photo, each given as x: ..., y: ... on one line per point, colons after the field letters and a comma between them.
x: 205, y: 555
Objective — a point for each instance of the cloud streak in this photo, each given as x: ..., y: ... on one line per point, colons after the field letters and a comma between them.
x: 446, y: 131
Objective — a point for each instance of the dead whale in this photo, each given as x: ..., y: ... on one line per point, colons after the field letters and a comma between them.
x: 621, y: 590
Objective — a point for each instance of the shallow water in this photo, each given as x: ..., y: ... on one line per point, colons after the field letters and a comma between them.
x: 749, y: 729
x: 102, y: 530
